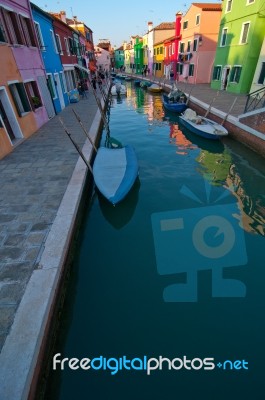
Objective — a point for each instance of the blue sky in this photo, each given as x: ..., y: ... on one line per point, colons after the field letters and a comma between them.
x: 118, y: 20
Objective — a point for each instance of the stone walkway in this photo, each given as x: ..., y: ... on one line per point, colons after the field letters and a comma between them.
x: 33, y: 180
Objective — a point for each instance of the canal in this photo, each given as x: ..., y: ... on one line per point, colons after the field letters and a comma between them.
x: 166, y: 295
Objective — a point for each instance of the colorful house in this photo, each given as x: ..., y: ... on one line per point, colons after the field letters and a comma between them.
x: 240, y: 40
x: 158, y: 59
x: 138, y: 55
x: 22, y: 78
x: 156, y: 35
x: 119, y: 57
x: 171, y: 48
x: 54, y: 70
x: 89, y: 44
x: 66, y: 44
x: 200, y: 27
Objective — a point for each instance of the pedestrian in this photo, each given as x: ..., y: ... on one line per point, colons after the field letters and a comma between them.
x: 94, y: 82
x: 171, y: 76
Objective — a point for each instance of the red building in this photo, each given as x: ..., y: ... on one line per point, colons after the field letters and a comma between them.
x: 171, y: 46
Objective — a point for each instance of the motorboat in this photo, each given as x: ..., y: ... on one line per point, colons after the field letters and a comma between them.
x: 202, y: 126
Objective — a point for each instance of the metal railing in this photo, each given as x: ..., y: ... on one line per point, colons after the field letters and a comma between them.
x: 255, y: 100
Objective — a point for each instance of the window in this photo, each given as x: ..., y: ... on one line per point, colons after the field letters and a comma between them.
x: 170, y: 50
x: 181, y: 47
x: 223, y: 37
x: 244, y: 33
x: 71, y: 45
x: 39, y: 35
x: 217, y: 73
x: 235, y: 74
x: 185, y: 24
x: 173, y: 48
x: 195, y: 44
x: 51, y: 86
x: 63, y: 83
x: 189, y: 46
x: 161, y: 50
x: 13, y: 27
x: 154, y: 51
x: 229, y: 5
x: 58, y: 43
x: 179, y: 68
x: 191, y: 69
x: 28, y: 31
x: 67, y: 46
x: 20, y: 98
x: 250, y: 2
x: 262, y: 74
x: 3, y: 34
x: 54, y: 41
x: 197, y: 19
x: 33, y: 94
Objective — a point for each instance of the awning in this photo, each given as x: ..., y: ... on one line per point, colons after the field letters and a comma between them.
x: 82, y: 68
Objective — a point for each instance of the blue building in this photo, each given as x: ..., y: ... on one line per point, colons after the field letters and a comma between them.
x: 51, y: 58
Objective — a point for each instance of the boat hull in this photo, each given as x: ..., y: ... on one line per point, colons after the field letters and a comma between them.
x: 115, y: 171
x: 174, y: 106
x: 208, y: 130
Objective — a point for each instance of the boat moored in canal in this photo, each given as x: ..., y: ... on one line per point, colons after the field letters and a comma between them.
x: 115, y: 171
x: 154, y: 88
x: 202, y: 126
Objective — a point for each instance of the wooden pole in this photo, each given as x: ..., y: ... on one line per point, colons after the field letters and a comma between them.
x: 76, y: 146
x: 230, y: 109
x: 84, y: 129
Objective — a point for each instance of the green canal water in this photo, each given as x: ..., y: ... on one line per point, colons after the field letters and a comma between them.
x: 175, y: 271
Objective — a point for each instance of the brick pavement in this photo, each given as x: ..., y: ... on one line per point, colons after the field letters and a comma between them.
x: 33, y: 180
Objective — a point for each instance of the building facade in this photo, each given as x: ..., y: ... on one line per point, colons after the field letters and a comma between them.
x: 22, y: 78
x: 240, y: 40
x: 197, y: 47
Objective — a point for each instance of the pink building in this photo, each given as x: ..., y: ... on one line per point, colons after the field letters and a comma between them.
x: 22, y: 80
x: 200, y: 28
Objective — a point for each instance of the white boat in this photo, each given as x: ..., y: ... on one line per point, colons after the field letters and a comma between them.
x: 115, y: 171
x: 118, y: 89
x: 202, y: 126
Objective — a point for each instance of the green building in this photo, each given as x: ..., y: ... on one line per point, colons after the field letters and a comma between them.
x: 119, y: 57
x: 241, y: 34
x: 138, y: 55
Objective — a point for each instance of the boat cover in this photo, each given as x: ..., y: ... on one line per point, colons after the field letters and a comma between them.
x: 115, y: 171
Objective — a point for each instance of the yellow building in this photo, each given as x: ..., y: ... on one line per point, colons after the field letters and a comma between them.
x: 159, y: 59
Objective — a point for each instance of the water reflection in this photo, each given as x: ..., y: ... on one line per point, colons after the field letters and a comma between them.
x: 122, y: 213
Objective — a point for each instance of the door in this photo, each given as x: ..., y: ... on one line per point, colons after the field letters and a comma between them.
x: 59, y: 90
x: 224, y: 79
x: 46, y: 96
x: 5, y: 122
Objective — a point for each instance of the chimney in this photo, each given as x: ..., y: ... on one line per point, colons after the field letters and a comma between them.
x: 150, y: 26
x: 178, y: 23
x: 124, y: 45
x: 63, y: 16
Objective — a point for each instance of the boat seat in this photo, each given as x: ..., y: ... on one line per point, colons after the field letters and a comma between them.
x: 190, y: 114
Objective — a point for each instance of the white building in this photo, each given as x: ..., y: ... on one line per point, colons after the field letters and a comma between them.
x: 103, y: 59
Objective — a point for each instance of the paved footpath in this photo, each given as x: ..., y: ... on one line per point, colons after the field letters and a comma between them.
x: 33, y: 181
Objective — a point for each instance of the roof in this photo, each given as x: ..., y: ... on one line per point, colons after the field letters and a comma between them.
x: 165, y: 25
x: 208, y: 6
